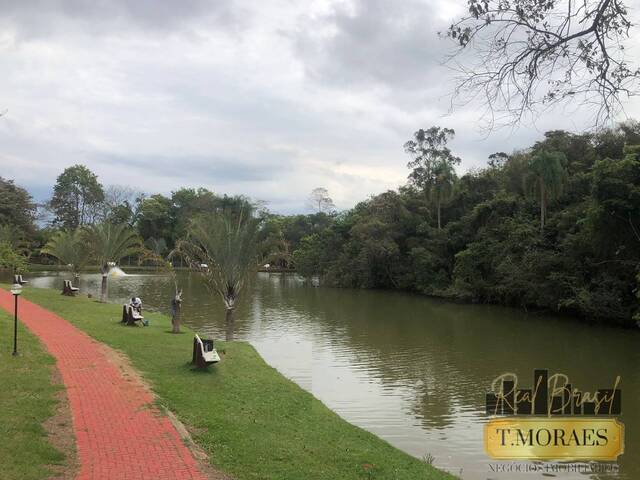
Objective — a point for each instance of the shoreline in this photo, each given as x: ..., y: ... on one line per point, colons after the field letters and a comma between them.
x: 566, y: 315
x: 39, y: 267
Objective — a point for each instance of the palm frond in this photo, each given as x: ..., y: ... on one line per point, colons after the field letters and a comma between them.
x: 223, y: 247
x: 69, y: 248
x: 111, y: 242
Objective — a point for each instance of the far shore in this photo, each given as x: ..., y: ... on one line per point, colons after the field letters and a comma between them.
x: 39, y: 267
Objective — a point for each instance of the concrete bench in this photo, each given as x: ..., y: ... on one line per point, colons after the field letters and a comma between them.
x: 131, y: 315
x: 68, y: 288
x: 204, y: 353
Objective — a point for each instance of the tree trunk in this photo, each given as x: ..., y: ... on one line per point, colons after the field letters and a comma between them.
x: 176, y: 311
x: 230, y: 324
x: 175, y: 321
x: 543, y: 206
x: 439, y: 213
x: 103, y: 288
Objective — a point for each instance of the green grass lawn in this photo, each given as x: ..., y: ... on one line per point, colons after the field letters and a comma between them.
x: 27, y: 399
x: 253, y: 422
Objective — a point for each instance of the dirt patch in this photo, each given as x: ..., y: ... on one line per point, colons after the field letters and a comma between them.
x: 60, y: 433
x: 130, y: 374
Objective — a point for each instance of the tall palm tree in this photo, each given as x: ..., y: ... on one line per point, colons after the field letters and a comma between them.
x: 546, y: 176
x: 442, y: 189
x: 69, y: 247
x: 109, y: 243
x: 224, y: 248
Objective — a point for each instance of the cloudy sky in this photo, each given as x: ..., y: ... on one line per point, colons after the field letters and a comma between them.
x: 268, y: 99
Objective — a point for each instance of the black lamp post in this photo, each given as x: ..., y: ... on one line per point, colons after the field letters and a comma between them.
x: 16, y: 290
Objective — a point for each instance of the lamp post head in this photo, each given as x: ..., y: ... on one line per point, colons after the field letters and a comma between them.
x: 16, y: 289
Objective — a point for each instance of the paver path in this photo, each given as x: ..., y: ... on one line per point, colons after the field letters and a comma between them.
x: 118, y: 434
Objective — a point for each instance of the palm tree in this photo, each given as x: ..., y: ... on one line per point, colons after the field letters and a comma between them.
x: 442, y: 189
x: 109, y: 243
x: 223, y: 248
x: 69, y: 247
x: 546, y: 175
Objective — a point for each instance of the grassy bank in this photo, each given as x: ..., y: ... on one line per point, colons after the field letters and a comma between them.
x: 27, y: 399
x: 253, y: 422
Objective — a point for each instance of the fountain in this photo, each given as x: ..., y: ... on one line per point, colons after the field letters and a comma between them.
x: 116, y: 271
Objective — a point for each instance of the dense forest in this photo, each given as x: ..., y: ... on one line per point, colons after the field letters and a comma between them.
x: 555, y: 226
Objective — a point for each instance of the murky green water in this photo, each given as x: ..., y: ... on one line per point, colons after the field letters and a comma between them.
x: 410, y: 369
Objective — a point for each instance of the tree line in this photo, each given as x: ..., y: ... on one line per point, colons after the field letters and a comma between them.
x: 553, y: 226
x: 218, y: 237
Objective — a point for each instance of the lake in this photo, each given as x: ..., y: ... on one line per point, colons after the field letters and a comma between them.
x: 411, y: 369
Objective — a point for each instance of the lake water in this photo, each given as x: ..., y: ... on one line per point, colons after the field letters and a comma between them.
x: 410, y: 369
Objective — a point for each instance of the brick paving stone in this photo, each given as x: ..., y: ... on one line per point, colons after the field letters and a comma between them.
x: 119, y: 435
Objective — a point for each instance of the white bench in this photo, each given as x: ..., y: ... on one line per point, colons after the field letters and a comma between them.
x: 68, y: 288
x: 204, y: 355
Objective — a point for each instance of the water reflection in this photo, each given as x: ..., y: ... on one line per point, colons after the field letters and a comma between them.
x: 410, y: 369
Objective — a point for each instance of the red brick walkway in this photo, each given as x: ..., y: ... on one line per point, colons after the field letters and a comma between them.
x: 118, y: 435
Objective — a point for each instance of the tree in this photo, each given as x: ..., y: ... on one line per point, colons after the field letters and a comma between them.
x: 314, y: 255
x: 547, y: 170
x: 16, y: 207
x: 69, y: 247
x: 13, y: 236
x: 108, y: 244
x: 529, y: 54
x: 490, y: 248
x: 223, y: 248
x: 498, y: 159
x: 186, y: 203
x: 119, y: 203
x: 277, y: 247
x: 433, y: 164
x: 156, y: 245
x: 428, y: 149
x: 77, y: 197
x: 445, y: 177
x: 321, y: 201
x: 155, y: 219
x: 176, y: 311
x: 12, y: 258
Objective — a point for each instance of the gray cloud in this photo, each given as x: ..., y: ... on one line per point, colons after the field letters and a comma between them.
x: 191, y: 170
x: 268, y: 99
x: 42, y: 18
x: 375, y: 41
